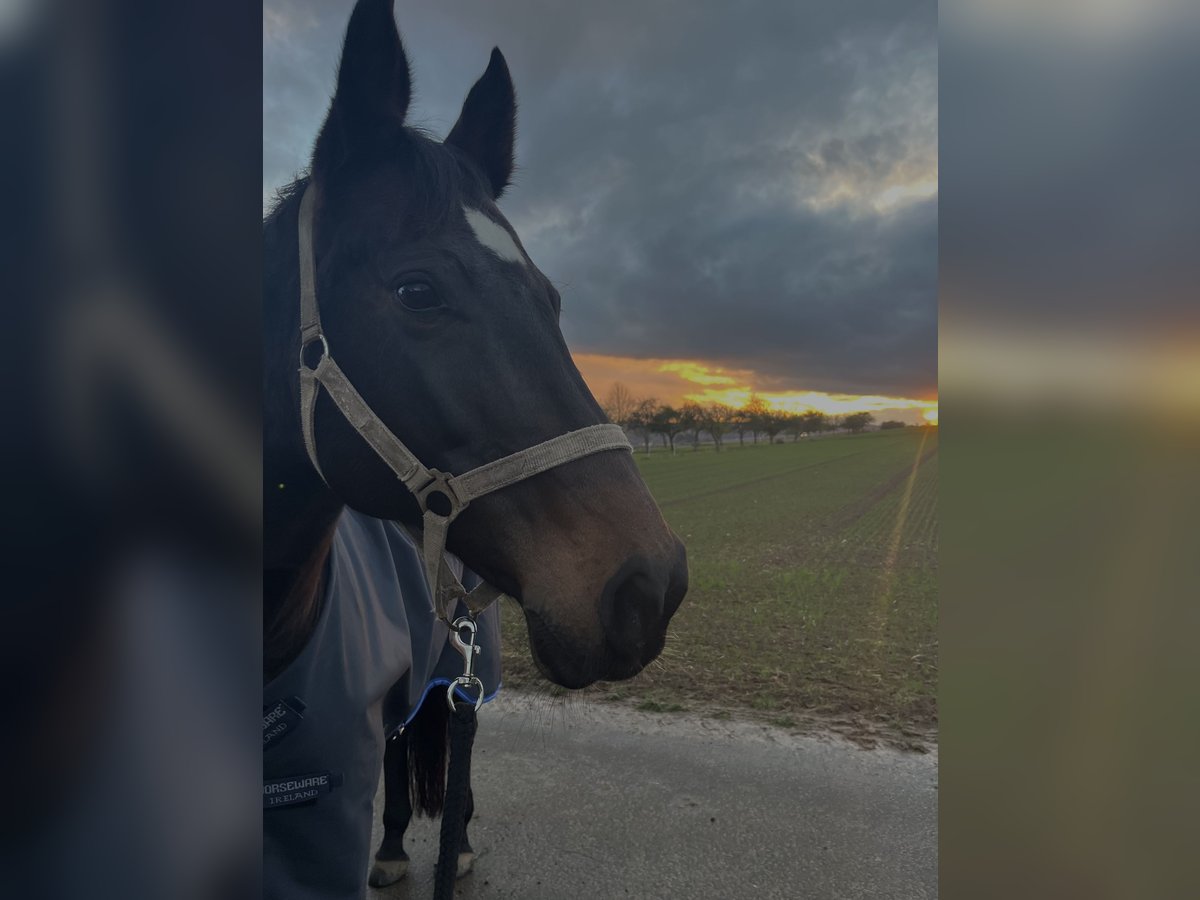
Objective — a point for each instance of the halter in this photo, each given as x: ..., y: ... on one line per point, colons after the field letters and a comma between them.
x: 440, y: 495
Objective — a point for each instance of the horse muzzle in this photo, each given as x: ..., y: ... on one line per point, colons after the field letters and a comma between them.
x: 628, y: 630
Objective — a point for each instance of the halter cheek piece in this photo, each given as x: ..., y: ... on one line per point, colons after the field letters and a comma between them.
x: 440, y: 495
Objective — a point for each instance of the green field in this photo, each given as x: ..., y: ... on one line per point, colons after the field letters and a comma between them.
x: 813, y: 599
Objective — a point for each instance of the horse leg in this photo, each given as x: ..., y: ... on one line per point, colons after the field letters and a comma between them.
x: 391, y: 862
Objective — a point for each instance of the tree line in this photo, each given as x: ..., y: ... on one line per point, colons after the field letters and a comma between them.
x: 647, y: 418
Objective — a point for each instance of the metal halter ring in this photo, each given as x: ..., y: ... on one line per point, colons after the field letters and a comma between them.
x: 463, y: 682
x: 319, y: 336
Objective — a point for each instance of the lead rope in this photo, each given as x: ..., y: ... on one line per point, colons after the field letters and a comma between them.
x: 463, y: 724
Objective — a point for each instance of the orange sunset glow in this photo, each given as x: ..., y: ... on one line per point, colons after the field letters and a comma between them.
x: 676, y: 380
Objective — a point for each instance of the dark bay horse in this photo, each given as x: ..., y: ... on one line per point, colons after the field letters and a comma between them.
x: 451, y: 334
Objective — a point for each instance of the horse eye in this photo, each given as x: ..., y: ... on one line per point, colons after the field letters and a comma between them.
x: 417, y: 296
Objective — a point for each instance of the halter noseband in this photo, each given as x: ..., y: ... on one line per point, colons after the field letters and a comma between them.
x: 440, y: 495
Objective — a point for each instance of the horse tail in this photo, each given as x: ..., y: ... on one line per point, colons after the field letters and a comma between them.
x: 428, y: 740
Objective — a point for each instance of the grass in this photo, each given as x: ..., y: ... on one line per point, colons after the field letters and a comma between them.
x: 655, y: 706
x: 813, y: 597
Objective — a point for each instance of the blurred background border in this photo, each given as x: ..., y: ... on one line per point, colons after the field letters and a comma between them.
x: 131, y: 149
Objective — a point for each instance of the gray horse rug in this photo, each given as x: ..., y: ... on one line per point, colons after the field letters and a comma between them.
x: 378, y: 651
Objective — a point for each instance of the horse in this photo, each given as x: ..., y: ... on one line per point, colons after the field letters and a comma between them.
x: 450, y: 336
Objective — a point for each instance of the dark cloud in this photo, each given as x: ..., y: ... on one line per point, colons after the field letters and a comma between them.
x: 752, y: 185
x: 1069, y: 195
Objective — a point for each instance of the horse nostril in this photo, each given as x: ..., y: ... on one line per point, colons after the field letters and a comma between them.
x: 632, y: 611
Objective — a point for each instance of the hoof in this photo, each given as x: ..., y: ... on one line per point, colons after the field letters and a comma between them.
x: 466, y: 860
x: 387, y: 871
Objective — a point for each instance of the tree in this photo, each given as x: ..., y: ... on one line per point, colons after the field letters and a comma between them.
x: 739, y: 422
x: 890, y: 424
x: 620, y: 405
x: 718, y: 419
x: 642, y: 419
x: 667, y: 422
x: 793, y: 424
x: 772, y: 423
x: 756, y: 412
x: 691, y: 417
x: 814, y: 422
x: 856, y: 422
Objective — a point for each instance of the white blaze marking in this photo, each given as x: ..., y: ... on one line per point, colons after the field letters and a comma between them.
x: 494, y: 237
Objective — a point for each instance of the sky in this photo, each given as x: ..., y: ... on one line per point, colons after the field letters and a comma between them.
x: 730, y: 197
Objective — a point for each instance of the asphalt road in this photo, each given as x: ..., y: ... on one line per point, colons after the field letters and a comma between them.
x: 588, y: 800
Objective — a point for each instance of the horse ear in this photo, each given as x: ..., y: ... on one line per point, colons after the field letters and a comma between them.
x: 486, y: 127
x: 373, y: 86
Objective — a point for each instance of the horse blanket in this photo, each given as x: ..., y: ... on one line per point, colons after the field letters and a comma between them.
x: 376, y: 653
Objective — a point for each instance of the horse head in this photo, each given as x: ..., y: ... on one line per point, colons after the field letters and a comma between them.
x: 451, y: 334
